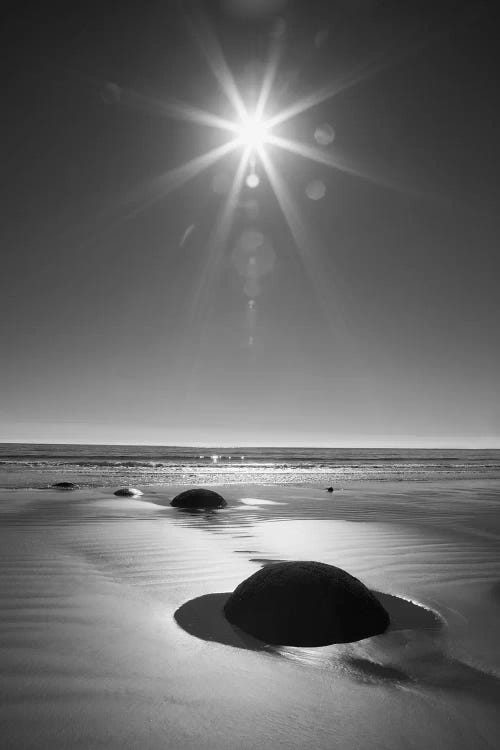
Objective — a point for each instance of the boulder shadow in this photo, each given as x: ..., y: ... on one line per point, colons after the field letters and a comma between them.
x: 405, y: 615
x: 204, y: 618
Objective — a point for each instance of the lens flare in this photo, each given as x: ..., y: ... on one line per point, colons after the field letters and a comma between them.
x: 252, y: 181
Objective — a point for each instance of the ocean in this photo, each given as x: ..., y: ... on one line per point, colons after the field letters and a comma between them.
x: 28, y: 465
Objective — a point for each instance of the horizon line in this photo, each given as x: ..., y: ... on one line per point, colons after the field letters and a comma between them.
x: 219, y: 446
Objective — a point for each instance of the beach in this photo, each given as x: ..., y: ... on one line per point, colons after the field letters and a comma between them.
x: 250, y: 249
x: 95, y: 653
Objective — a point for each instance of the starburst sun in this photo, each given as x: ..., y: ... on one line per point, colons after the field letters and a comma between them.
x: 252, y: 132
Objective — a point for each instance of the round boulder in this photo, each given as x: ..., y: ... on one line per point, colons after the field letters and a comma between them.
x: 65, y: 486
x: 127, y: 492
x: 198, y: 498
x: 305, y: 604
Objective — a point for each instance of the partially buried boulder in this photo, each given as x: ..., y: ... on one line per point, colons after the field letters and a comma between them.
x: 198, y: 498
x: 305, y: 604
x: 65, y: 486
x: 127, y: 492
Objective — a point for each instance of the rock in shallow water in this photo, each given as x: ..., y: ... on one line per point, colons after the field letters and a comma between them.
x: 65, y: 486
x: 198, y: 498
x: 127, y: 492
x: 305, y: 603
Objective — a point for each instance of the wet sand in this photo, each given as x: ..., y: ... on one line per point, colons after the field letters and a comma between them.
x: 112, y: 635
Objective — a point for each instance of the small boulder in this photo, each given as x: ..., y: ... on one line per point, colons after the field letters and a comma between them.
x: 127, y: 492
x: 305, y: 603
x: 65, y: 486
x: 329, y: 489
x: 198, y: 498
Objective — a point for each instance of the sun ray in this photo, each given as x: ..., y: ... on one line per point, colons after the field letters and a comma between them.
x: 327, y: 91
x: 138, y: 199
x: 151, y: 102
x: 175, y: 109
x: 309, y: 250
x: 197, y: 317
x: 213, y: 54
x: 269, y: 78
x: 361, y: 72
x: 159, y: 187
x: 336, y: 161
x: 218, y: 239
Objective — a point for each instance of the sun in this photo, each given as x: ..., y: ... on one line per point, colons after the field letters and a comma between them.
x: 252, y: 132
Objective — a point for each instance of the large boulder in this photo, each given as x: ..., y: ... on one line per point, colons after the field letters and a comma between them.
x: 127, y: 492
x: 198, y: 498
x: 305, y: 604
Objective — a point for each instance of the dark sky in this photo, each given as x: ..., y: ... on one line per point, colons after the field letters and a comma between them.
x: 380, y: 329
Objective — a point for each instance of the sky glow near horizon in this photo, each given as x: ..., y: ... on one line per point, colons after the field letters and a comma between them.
x: 315, y: 263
